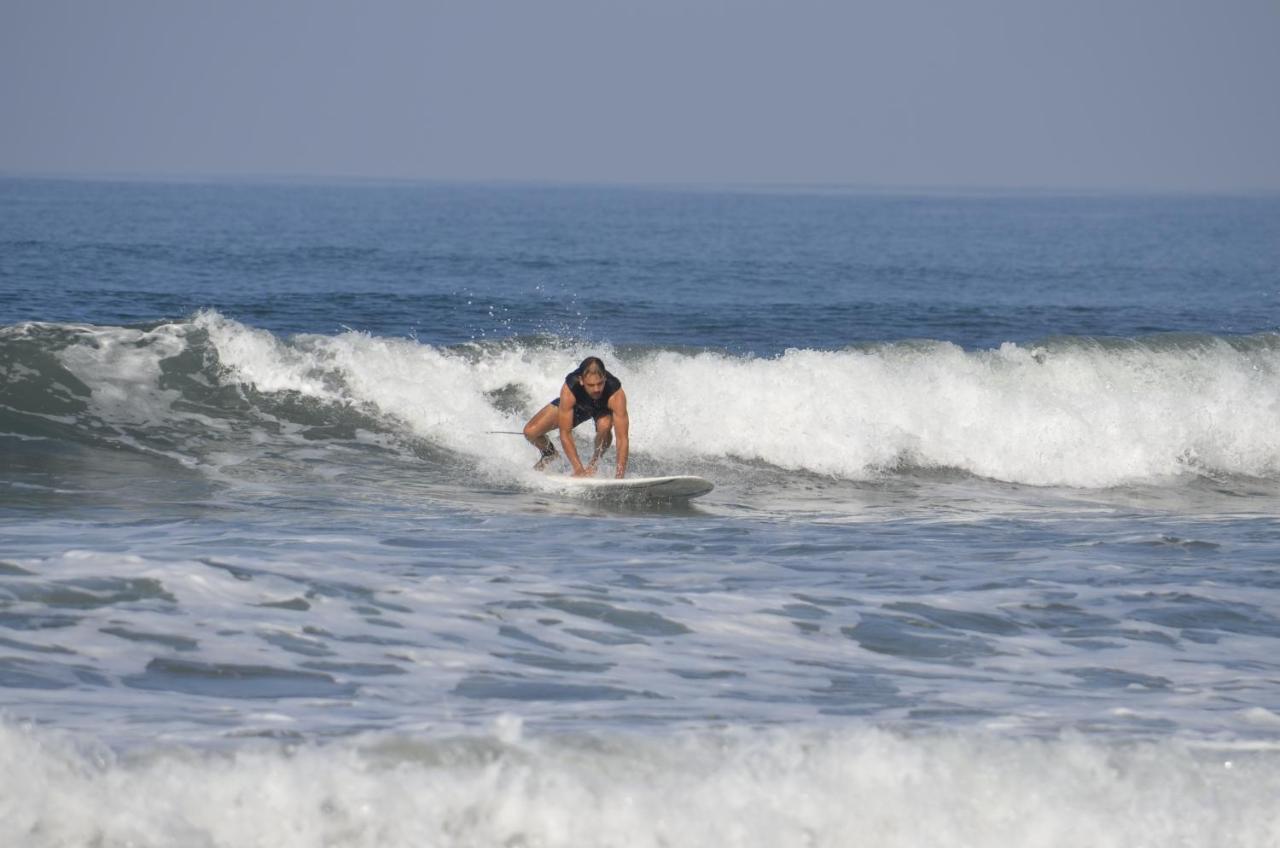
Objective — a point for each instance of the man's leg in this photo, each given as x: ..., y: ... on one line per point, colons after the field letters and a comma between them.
x: 542, y: 423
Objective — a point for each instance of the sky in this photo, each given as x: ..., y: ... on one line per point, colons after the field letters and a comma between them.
x: 1073, y: 94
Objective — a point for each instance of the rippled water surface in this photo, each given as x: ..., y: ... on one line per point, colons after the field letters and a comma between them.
x: 994, y: 521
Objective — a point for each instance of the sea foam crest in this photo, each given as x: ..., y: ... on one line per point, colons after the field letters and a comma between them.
x: 780, y: 787
x: 1077, y: 413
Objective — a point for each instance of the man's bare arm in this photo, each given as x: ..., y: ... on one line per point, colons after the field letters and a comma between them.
x: 565, y: 422
x: 621, y: 429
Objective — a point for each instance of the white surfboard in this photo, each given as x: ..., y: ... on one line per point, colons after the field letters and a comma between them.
x: 679, y: 487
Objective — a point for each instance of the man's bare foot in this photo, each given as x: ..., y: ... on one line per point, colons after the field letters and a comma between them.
x: 547, y: 459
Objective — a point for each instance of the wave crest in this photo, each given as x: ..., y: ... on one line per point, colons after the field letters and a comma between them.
x: 1071, y: 412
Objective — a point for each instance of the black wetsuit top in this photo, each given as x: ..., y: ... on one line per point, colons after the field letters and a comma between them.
x: 584, y: 405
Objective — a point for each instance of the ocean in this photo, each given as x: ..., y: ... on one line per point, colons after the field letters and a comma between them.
x: 993, y: 556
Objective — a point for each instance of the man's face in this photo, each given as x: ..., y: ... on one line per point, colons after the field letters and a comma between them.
x: 594, y: 384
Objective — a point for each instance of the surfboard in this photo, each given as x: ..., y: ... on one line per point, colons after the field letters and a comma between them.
x: 679, y: 487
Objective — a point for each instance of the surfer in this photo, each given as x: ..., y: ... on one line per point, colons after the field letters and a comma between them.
x: 590, y: 392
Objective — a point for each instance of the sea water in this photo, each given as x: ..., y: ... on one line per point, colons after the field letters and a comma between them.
x: 993, y: 556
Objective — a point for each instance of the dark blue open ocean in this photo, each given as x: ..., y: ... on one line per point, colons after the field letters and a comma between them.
x: 993, y: 557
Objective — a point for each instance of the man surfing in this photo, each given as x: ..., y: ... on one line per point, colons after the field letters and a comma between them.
x: 590, y: 392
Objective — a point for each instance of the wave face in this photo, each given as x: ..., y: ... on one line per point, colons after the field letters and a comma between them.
x: 775, y: 788
x: 1071, y: 412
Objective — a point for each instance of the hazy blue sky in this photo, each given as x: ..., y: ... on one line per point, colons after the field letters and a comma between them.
x: 1077, y: 94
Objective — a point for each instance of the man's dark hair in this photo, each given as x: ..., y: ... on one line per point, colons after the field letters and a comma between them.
x: 592, y: 363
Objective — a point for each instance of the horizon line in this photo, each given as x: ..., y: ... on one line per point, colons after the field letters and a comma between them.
x: 743, y: 185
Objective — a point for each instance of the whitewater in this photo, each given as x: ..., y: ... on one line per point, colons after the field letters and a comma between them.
x: 992, y: 557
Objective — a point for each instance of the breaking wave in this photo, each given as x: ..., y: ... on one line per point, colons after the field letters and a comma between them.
x: 1069, y: 412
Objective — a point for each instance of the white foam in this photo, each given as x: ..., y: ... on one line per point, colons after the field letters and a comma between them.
x: 257, y: 358
x: 842, y: 787
x: 121, y: 367
x: 1083, y: 416
x: 1261, y: 716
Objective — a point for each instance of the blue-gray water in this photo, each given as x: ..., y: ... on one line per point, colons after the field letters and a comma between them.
x: 992, y: 557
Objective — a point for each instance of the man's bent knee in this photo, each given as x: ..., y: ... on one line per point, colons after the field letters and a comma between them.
x: 604, y: 431
x: 540, y: 424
